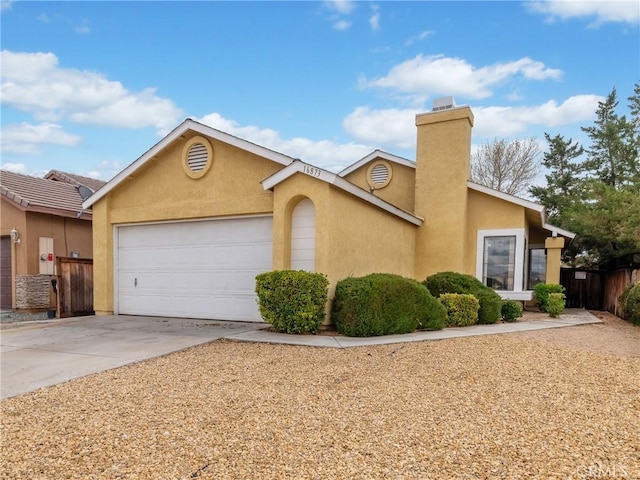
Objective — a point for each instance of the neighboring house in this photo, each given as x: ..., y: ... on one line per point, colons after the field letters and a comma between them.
x: 184, y: 229
x: 41, y: 219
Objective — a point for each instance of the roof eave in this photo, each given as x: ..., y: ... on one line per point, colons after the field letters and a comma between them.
x: 299, y: 166
x: 185, y: 126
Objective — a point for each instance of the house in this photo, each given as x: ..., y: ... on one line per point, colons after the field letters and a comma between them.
x: 185, y: 228
x: 41, y: 219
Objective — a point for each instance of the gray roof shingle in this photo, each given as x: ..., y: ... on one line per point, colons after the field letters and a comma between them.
x: 42, y: 195
x: 76, y: 180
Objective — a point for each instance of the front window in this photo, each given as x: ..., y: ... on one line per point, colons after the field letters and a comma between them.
x: 499, y: 254
x: 537, y: 266
x: 500, y: 260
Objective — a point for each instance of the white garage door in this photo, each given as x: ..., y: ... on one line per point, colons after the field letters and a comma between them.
x: 200, y: 269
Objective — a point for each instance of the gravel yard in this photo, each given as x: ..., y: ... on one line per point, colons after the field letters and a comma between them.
x: 550, y: 405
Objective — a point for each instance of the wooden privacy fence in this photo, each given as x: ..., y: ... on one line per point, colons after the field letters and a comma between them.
x: 599, y: 289
x: 583, y: 288
x: 75, y: 287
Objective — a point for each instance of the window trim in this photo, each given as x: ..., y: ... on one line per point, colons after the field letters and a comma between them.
x: 518, y: 293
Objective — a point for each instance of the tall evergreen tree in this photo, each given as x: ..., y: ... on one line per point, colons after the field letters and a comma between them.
x: 612, y: 156
x: 562, y: 180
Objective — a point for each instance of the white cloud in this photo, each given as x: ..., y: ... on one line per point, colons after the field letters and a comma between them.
x: 440, y: 75
x: 342, y: 25
x: 15, y: 167
x: 374, y: 20
x: 390, y: 127
x: 395, y: 128
x: 26, y: 138
x: 323, y: 153
x: 420, y: 36
x: 603, y: 11
x: 506, y: 121
x: 6, y: 4
x: 343, y: 7
x: 81, y: 27
x: 35, y: 83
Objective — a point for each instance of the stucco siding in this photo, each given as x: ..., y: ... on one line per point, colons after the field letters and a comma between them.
x: 102, y: 258
x: 442, y: 170
x: 162, y: 191
x: 399, y: 192
x: 488, y: 213
x: 365, y: 240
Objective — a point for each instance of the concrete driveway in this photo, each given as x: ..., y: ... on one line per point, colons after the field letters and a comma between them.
x: 40, y: 355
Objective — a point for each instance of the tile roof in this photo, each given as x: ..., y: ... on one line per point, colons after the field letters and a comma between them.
x: 35, y: 194
x: 76, y: 180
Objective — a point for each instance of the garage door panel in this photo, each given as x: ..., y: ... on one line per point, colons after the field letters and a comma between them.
x: 201, y: 269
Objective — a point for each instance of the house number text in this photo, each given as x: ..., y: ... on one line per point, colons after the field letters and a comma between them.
x: 313, y: 171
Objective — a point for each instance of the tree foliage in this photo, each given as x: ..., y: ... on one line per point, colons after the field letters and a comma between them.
x: 598, y: 198
x: 509, y: 167
x: 563, y: 181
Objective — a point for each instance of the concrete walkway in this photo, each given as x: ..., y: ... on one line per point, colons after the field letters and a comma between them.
x: 45, y: 353
x: 571, y: 318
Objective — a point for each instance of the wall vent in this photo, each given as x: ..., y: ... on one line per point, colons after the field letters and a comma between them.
x: 197, y: 157
x: 443, y: 103
x: 379, y: 174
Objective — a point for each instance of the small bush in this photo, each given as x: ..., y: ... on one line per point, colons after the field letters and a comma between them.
x: 555, y: 304
x: 462, y: 309
x: 632, y: 305
x: 511, y: 310
x: 542, y: 291
x: 292, y: 301
x: 622, y: 300
x: 451, y: 282
x: 383, y: 304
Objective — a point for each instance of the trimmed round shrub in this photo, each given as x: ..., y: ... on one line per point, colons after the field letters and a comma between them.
x: 292, y: 301
x: 451, y: 282
x: 384, y: 304
x: 632, y: 305
x: 511, y: 310
x: 462, y: 309
x: 542, y: 292
x: 555, y: 304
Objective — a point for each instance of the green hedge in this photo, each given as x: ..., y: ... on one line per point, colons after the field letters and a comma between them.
x: 542, y: 291
x: 555, y: 304
x: 451, y: 282
x: 462, y: 309
x: 511, y: 310
x: 632, y: 304
x: 292, y: 301
x: 383, y: 304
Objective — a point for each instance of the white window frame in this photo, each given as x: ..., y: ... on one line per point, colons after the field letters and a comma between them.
x: 518, y: 293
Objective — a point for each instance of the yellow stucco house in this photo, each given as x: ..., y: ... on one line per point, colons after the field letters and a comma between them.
x: 184, y: 229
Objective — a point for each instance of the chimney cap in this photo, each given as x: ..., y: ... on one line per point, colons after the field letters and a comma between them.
x: 443, y: 103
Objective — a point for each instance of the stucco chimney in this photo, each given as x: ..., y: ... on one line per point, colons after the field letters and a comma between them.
x: 442, y: 170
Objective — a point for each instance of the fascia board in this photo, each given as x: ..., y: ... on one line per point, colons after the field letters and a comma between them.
x: 339, y: 182
x: 561, y: 231
x: 177, y: 132
x: 506, y: 197
x: 373, y: 155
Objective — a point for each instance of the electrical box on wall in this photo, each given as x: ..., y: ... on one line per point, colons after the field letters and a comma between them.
x: 46, y: 258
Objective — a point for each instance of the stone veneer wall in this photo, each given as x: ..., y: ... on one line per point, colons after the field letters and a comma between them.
x: 32, y: 291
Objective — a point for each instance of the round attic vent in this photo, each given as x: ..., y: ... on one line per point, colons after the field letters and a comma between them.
x: 197, y: 157
x: 379, y: 175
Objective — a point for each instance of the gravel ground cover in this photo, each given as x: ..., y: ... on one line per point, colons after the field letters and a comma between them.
x: 488, y: 407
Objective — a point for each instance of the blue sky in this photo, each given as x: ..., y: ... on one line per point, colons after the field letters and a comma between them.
x: 88, y: 87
